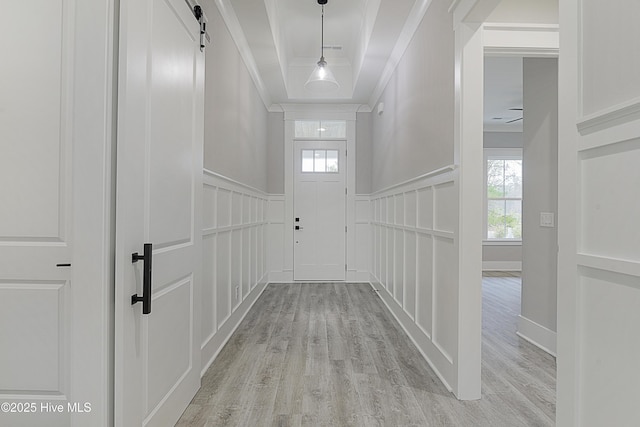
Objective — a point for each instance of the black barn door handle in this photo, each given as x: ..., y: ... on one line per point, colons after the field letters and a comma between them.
x: 146, y: 279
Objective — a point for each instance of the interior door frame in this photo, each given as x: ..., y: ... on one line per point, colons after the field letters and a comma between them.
x: 293, y: 112
x: 474, y: 39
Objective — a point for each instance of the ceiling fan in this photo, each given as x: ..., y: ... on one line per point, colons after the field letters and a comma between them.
x: 515, y: 120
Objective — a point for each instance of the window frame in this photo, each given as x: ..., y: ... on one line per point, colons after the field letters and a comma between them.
x: 320, y: 129
x: 326, y: 151
x: 497, y: 154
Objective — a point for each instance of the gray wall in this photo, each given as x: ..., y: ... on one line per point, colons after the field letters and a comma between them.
x: 275, y: 154
x: 414, y: 135
x: 499, y: 253
x: 527, y: 11
x: 503, y: 140
x: 363, y: 153
x: 540, y: 190
x: 235, y: 132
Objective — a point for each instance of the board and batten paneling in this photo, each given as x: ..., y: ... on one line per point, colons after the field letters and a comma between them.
x: 275, y: 238
x: 599, y: 256
x: 234, y: 265
x: 359, y: 266
x: 415, y: 262
x: 359, y: 261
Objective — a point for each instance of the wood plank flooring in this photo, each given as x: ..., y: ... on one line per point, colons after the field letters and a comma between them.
x: 332, y: 355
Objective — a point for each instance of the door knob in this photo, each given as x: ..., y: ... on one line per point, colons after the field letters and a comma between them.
x: 298, y: 227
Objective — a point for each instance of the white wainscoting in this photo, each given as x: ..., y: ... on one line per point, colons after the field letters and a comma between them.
x: 234, y: 230
x: 415, y: 263
x: 359, y: 255
x: 276, y: 235
x: 359, y: 260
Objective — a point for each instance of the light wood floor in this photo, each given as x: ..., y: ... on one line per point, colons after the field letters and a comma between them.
x: 332, y: 355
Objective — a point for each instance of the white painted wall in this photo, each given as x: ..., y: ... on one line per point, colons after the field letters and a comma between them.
x: 236, y: 130
x: 540, y: 194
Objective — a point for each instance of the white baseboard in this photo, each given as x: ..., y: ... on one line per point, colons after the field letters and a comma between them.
x: 281, y: 276
x: 214, y: 344
x: 538, y: 335
x: 438, y: 361
x: 354, y: 276
x: 501, y: 265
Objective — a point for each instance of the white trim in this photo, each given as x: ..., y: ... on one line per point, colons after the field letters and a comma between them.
x: 411, y: 26
x: 498, y: 242
x: 621, y: 266
x: 355, y: 276
x: 616, y: 115
x: 538, y: 335
x: 501, y: 265
x: 498, y: 154
x: 416, y: 180
x: 235, y: 29
x: 319, y: 111
x: 413, y: 331
x: 294, y: 112
x: 285, y: 276
x: 239, y: 315
x: 527, y: 40
x: 210, y: 173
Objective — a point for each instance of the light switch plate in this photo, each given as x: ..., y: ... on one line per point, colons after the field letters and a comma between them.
x: 547, y: 219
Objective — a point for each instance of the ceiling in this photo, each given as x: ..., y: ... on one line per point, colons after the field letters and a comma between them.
x: 280, y: 41
x: 503, y: 94
x: 364, y: 40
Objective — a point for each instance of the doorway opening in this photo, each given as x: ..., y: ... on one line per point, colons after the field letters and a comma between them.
x: 520, y: 201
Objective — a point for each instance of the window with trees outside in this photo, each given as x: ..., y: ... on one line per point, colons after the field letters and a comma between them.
x: 503, y: 195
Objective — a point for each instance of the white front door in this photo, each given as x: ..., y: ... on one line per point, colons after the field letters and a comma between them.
x: 158, y: 201
x: 319, y: 210
x: 599, y: 209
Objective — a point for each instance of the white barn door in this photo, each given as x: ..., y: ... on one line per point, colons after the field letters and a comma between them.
x: 319, y: 210
x: 159, y: 182
x: 599, y: 212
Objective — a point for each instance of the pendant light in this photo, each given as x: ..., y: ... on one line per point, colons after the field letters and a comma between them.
x: 321, y: 79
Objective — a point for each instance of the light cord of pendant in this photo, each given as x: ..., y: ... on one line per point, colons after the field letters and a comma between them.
x: 322, y: 36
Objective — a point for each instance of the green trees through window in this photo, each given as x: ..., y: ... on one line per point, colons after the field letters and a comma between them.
x: 504, y: 197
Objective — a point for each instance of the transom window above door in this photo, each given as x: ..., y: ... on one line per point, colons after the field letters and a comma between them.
x: 326, y: 129
x: 320, y: 161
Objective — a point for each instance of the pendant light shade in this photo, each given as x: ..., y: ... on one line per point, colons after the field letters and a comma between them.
x: 321, y: 79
